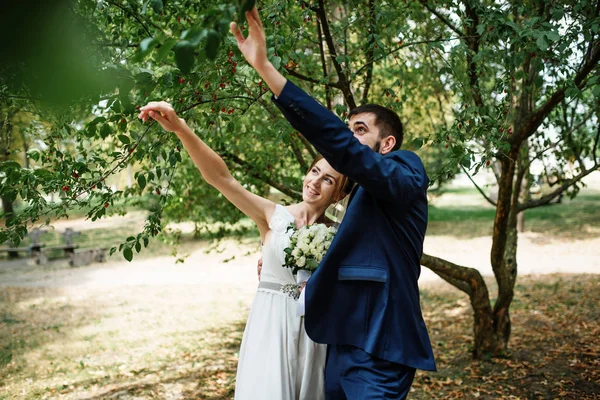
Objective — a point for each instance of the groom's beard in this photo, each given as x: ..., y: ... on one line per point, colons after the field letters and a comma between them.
x: 377, y: 146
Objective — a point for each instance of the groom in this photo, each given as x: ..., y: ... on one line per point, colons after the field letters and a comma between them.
x: 363, y: 300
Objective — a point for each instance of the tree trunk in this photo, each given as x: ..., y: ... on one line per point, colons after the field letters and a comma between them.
x: 470, y: 281
x: 521, y: 221
x: 9, y: 212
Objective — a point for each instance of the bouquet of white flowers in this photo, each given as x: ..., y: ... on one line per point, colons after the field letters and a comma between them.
x: 307, y: 247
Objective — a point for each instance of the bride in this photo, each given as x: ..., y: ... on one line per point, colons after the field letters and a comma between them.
x: 277, y: 359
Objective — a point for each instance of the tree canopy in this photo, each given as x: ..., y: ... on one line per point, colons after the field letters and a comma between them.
x: 507, y: 86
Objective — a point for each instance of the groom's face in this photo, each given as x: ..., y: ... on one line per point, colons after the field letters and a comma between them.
x: 364, y: 129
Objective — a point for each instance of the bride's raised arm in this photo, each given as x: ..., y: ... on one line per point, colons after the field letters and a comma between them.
x: 211, y: 165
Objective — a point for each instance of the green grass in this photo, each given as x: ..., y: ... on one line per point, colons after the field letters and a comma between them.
x: 465, y: 222
x: 575, y: 219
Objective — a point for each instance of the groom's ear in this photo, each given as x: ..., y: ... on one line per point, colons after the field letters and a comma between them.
x: 387, y: 145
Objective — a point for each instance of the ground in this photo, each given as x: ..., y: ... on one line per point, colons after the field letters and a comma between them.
x: 157, y: 329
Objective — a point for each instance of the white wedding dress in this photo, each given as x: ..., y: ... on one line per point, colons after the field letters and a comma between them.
x: 278, y: 361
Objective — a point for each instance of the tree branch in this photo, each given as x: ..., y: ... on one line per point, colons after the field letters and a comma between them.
x: 486, y: 197
x: 311, y: 150
x: 542, y: 112
x: 134, y: 15
x: 107, y: 44
x: 249, y: 169
x: 551, y: 196
x: 473, y: 43
x: 441, y: 17
x: 342, y: 79
x: 404, y: 45
x: 469, y: 280
x: 324, y: 63
x: 597, y: 137
x: 298, y: 153
x: 370, y: 52
x: 312, y: 80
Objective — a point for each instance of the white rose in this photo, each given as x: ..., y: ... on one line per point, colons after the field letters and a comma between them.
x: 301, y: 261
x: 303, y: 246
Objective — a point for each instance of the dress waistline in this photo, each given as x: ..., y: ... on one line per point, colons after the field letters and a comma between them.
x: 290, y: 289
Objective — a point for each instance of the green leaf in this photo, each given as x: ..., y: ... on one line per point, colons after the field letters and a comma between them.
x: 144, y: 78
x: 124, y: 139
x: 165, y: 48
x: 248, y: 5
x: 466, y: 161
x: 194, y: 36
x: 213, y: 40
x: 34, y: 154
x: 157, y: 5
x: 141, y: 181
x: 105, y: 131
x: 553, y: 36
x: 138, y: 247
x: 572, y: 92
x: 128, y: 253
x: 148, y: 44
x: 112, y: 251
x: 541, y: 42
x: 276, y: 61
x: 184, y: 56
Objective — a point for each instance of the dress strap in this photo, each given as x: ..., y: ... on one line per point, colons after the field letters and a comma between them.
x: 281, y: 219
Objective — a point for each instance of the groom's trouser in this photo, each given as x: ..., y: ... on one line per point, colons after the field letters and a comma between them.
x: 352, y: 373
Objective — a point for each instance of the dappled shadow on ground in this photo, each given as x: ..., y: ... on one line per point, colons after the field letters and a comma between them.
x: 30, y: 319
x: 553, y: 352
x: 207, y: 373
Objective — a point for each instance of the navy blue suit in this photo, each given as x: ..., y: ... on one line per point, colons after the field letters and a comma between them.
x: 365, y: 293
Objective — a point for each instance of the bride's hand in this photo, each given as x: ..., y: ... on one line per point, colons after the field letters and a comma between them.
x: 163, y: 113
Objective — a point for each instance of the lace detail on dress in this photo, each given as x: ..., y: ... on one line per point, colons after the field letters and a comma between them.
x: 281, y: 219
x: 273, y: 252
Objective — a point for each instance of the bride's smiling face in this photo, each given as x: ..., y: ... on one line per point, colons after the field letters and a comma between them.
x: 320, y: 184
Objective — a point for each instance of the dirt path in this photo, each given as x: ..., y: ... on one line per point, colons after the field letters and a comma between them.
x: 536, y: 255
x: 209, y: 269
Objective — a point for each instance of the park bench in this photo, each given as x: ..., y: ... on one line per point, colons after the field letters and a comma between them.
x: 38, y: 252
x: 83, y: 257
x: 34, y: 250
x: 68, y: 247
x: 79, y: 257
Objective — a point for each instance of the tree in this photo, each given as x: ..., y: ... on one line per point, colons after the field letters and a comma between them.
x: 481, y: 85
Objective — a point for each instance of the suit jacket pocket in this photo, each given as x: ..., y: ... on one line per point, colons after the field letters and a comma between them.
x: 362, y: 273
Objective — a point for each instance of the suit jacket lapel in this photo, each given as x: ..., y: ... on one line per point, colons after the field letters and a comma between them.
x: 352, y: 193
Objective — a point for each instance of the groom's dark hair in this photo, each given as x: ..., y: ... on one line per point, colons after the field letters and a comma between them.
x: 386, y: 120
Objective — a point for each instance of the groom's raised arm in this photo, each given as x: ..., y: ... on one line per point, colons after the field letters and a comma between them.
x: 398, y: 178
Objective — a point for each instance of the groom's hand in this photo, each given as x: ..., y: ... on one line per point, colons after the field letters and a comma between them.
x: 163, y: 113
x: 259, y: 267
x: 254, y: 49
